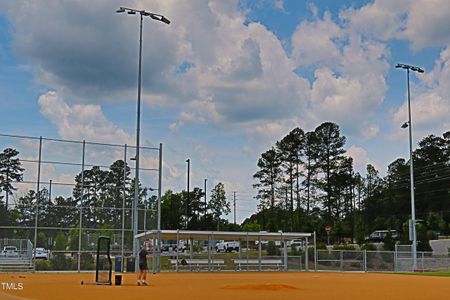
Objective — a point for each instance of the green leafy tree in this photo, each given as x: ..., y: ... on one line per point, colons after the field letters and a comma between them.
x: 172, y: 211
x: 290, y: 150
x: 10, y: 171
x: 268, y: 176
x: 218, y: 203
x: 330, y: 152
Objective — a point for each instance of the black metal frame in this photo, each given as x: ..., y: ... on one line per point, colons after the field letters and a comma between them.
x: 97, y: 265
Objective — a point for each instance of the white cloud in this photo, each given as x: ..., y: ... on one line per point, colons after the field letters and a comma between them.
x: 315, y: 42
x: 430, y: 105
x: 349, y: 72
x: 360, y: 158
x: 81, y: 121
x: 427, y: 23
x: 379, y: 19
x: 371, y: 131
x: 427, y: 110
x: 422, y: 22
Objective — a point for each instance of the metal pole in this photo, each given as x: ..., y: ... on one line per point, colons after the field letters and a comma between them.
x: 413, y: 210
x: 259, y: 252
x: 50, y: 192
x: 315, y: 252
x: 81, y: 204
x: 187, y: 200
x: 159, y: 206
x: 411, y: 164
x: 178, y: 246
x: 7, y: 189
x: 234, y: 205
x: 36, y: 209
x: 206, y: 203
x: 145, y: 216
x: 123, y: 200
x: 138, y: 127
x: 306, y: 254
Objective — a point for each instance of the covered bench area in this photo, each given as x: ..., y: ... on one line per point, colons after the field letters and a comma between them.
x: 198, y: 264
x: 184, y: 260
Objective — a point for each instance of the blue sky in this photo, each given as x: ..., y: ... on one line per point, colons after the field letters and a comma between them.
x: 225, y: 80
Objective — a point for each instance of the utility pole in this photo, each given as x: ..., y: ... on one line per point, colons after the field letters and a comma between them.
x: 206, y: 203
x: 234, y: 206
x: 187, y: 183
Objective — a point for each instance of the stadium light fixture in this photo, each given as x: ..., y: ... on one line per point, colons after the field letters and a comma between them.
x: 142, y: 13
x: 411, y: 165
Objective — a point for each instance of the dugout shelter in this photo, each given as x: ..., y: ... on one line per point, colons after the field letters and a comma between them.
x: 210, y: 237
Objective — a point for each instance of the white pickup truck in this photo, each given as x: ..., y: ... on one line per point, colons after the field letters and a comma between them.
x: 227, y: 246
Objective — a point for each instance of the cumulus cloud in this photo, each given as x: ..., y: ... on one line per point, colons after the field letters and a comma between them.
x: 360, y: 158
x: 81, y: 121
x: 214, y: 67
x: 380, y: 19
x: 422, y: 22
x: 430, y: 105
x: 315, y: 42
x: 349, y: 72
x: 427, y: 24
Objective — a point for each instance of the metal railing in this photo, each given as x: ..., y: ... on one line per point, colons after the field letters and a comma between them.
x: 379, y: 261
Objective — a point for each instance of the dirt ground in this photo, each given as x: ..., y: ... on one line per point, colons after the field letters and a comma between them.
x: 229, y: 286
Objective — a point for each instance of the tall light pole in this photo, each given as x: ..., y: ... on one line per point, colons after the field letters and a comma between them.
x: 206, y: 203
x: 408, y: 124
x: 142, y: 13
x: 187, y: 200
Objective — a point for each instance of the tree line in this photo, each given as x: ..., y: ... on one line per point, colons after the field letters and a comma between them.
x: 306, y: 182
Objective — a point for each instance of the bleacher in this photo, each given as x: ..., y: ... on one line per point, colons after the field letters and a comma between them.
x: 16, y: 255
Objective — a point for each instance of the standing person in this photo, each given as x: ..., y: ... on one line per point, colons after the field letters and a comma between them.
x: 143, y: 255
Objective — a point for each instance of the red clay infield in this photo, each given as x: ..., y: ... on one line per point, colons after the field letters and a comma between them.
x: 230, y: 286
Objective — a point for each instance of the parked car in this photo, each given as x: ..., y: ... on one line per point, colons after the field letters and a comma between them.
x: 10, y: 251
x: 42, y: 253
x: 227, y: 246
x: 296, y: 243
x: 171, y: 246
x: 380, y: 235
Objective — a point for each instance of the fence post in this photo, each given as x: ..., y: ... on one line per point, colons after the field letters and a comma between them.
x: 341, y: 260
x: 365, y: 260
x: 159, y: 206
x: 315, y: 252
x: 423, y: 258
x: 306, y: 254
x: 123, y: 201
x: 395, y: 260
x: 36, y: 212
x: 81, y: 205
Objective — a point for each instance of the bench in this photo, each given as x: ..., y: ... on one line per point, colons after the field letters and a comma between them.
x: 198, y: 264
x: 256, y: 263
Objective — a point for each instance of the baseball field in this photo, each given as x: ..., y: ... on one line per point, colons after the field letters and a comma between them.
x: 227, y: 286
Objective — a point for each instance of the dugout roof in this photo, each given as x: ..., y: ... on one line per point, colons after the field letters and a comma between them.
x: 222, y: 235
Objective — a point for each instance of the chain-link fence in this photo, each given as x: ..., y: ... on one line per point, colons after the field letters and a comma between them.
x: 63, y: 194
x: 379, y: 261
x: 16, y: 255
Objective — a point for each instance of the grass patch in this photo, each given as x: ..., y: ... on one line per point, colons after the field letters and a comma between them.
x: 441, y: 274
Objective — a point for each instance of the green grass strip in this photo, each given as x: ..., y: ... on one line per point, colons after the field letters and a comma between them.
x: 442, y: 273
